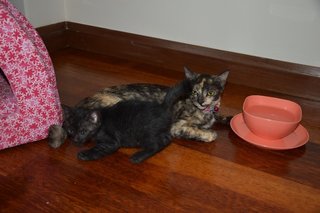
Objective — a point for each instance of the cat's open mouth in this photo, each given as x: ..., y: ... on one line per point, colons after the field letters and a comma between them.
x: 210, y: 108
x: 199, y: 106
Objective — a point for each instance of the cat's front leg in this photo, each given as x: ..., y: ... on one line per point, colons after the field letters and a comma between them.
x: 142, y: 155
x: 181, y: 129
x: 100, y: 150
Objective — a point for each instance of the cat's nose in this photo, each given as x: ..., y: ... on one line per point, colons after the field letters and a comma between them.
x: 77, y: 141
x: 202, y: 104
x: 200, y: 101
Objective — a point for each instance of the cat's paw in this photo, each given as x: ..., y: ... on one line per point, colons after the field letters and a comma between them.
x: 210, y: 137
x: 84, y: 155
x: 136, y: 159
x: 90, y: 154
x: 139, y: 157
x: 225, y: 120
x: 56, y: 136
x: 228, y: 120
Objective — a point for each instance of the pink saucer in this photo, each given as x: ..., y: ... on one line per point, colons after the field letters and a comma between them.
x: 296, y: 139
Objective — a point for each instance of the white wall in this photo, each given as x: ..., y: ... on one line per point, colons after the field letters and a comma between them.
x: 19, y: 4
x: 42, y: 12
x: 287, y: 30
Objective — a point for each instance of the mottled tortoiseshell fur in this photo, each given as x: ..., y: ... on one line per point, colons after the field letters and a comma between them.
x: 193, y: 117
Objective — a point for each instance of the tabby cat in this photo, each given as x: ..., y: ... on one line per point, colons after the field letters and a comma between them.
x: 193, y: 117
x: 129, y: 123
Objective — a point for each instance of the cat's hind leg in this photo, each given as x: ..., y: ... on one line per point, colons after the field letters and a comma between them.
x: 155, y: 145
x: 100, y: 150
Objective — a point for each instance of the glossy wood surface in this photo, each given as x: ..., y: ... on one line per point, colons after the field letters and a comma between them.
x: 228, y: 175
x: 262, y: 73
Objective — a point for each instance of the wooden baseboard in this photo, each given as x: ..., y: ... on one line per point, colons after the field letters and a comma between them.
x: 54, y: 36
x: 284, y: 77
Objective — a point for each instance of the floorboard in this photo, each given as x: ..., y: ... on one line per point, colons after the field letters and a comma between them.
x: 228, y: 175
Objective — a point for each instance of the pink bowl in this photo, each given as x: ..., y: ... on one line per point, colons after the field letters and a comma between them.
x: 271, y: 118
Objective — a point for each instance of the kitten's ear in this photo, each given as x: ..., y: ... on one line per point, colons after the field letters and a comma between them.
x: 223, y: 78
x: 189, y: 74
x: 95, y: 117
x: 67, y: 111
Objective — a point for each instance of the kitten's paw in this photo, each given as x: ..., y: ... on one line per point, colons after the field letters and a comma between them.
x: 90, y: 154
x: 56, y: 136
x: 84, y: 155
x: 136, y: 159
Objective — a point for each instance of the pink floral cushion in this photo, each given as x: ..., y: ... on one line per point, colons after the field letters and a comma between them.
x: 29, y: 100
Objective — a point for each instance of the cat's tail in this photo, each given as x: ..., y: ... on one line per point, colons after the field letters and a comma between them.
x: 177, y: 92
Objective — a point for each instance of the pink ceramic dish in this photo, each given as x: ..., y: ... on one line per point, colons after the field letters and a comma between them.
x: 297, y: 138
x: 271, y: 118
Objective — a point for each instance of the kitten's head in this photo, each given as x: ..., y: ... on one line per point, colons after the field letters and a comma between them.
x: 80, y: 124
x: 207, y: 89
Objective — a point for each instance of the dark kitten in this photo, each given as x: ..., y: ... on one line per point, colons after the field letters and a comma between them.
x: 132, y: 123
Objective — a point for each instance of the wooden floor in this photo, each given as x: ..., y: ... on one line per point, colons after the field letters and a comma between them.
x: 228, y: 175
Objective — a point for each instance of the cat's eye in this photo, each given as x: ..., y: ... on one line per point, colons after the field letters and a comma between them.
x: 82, y: 132
x: 211, y: 93
x: 194, y: 92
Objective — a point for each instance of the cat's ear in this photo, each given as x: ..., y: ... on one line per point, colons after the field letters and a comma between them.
x: 67, y: 111
x: 94, y: 117
x: 189, y: 74
x: 223, y: 78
